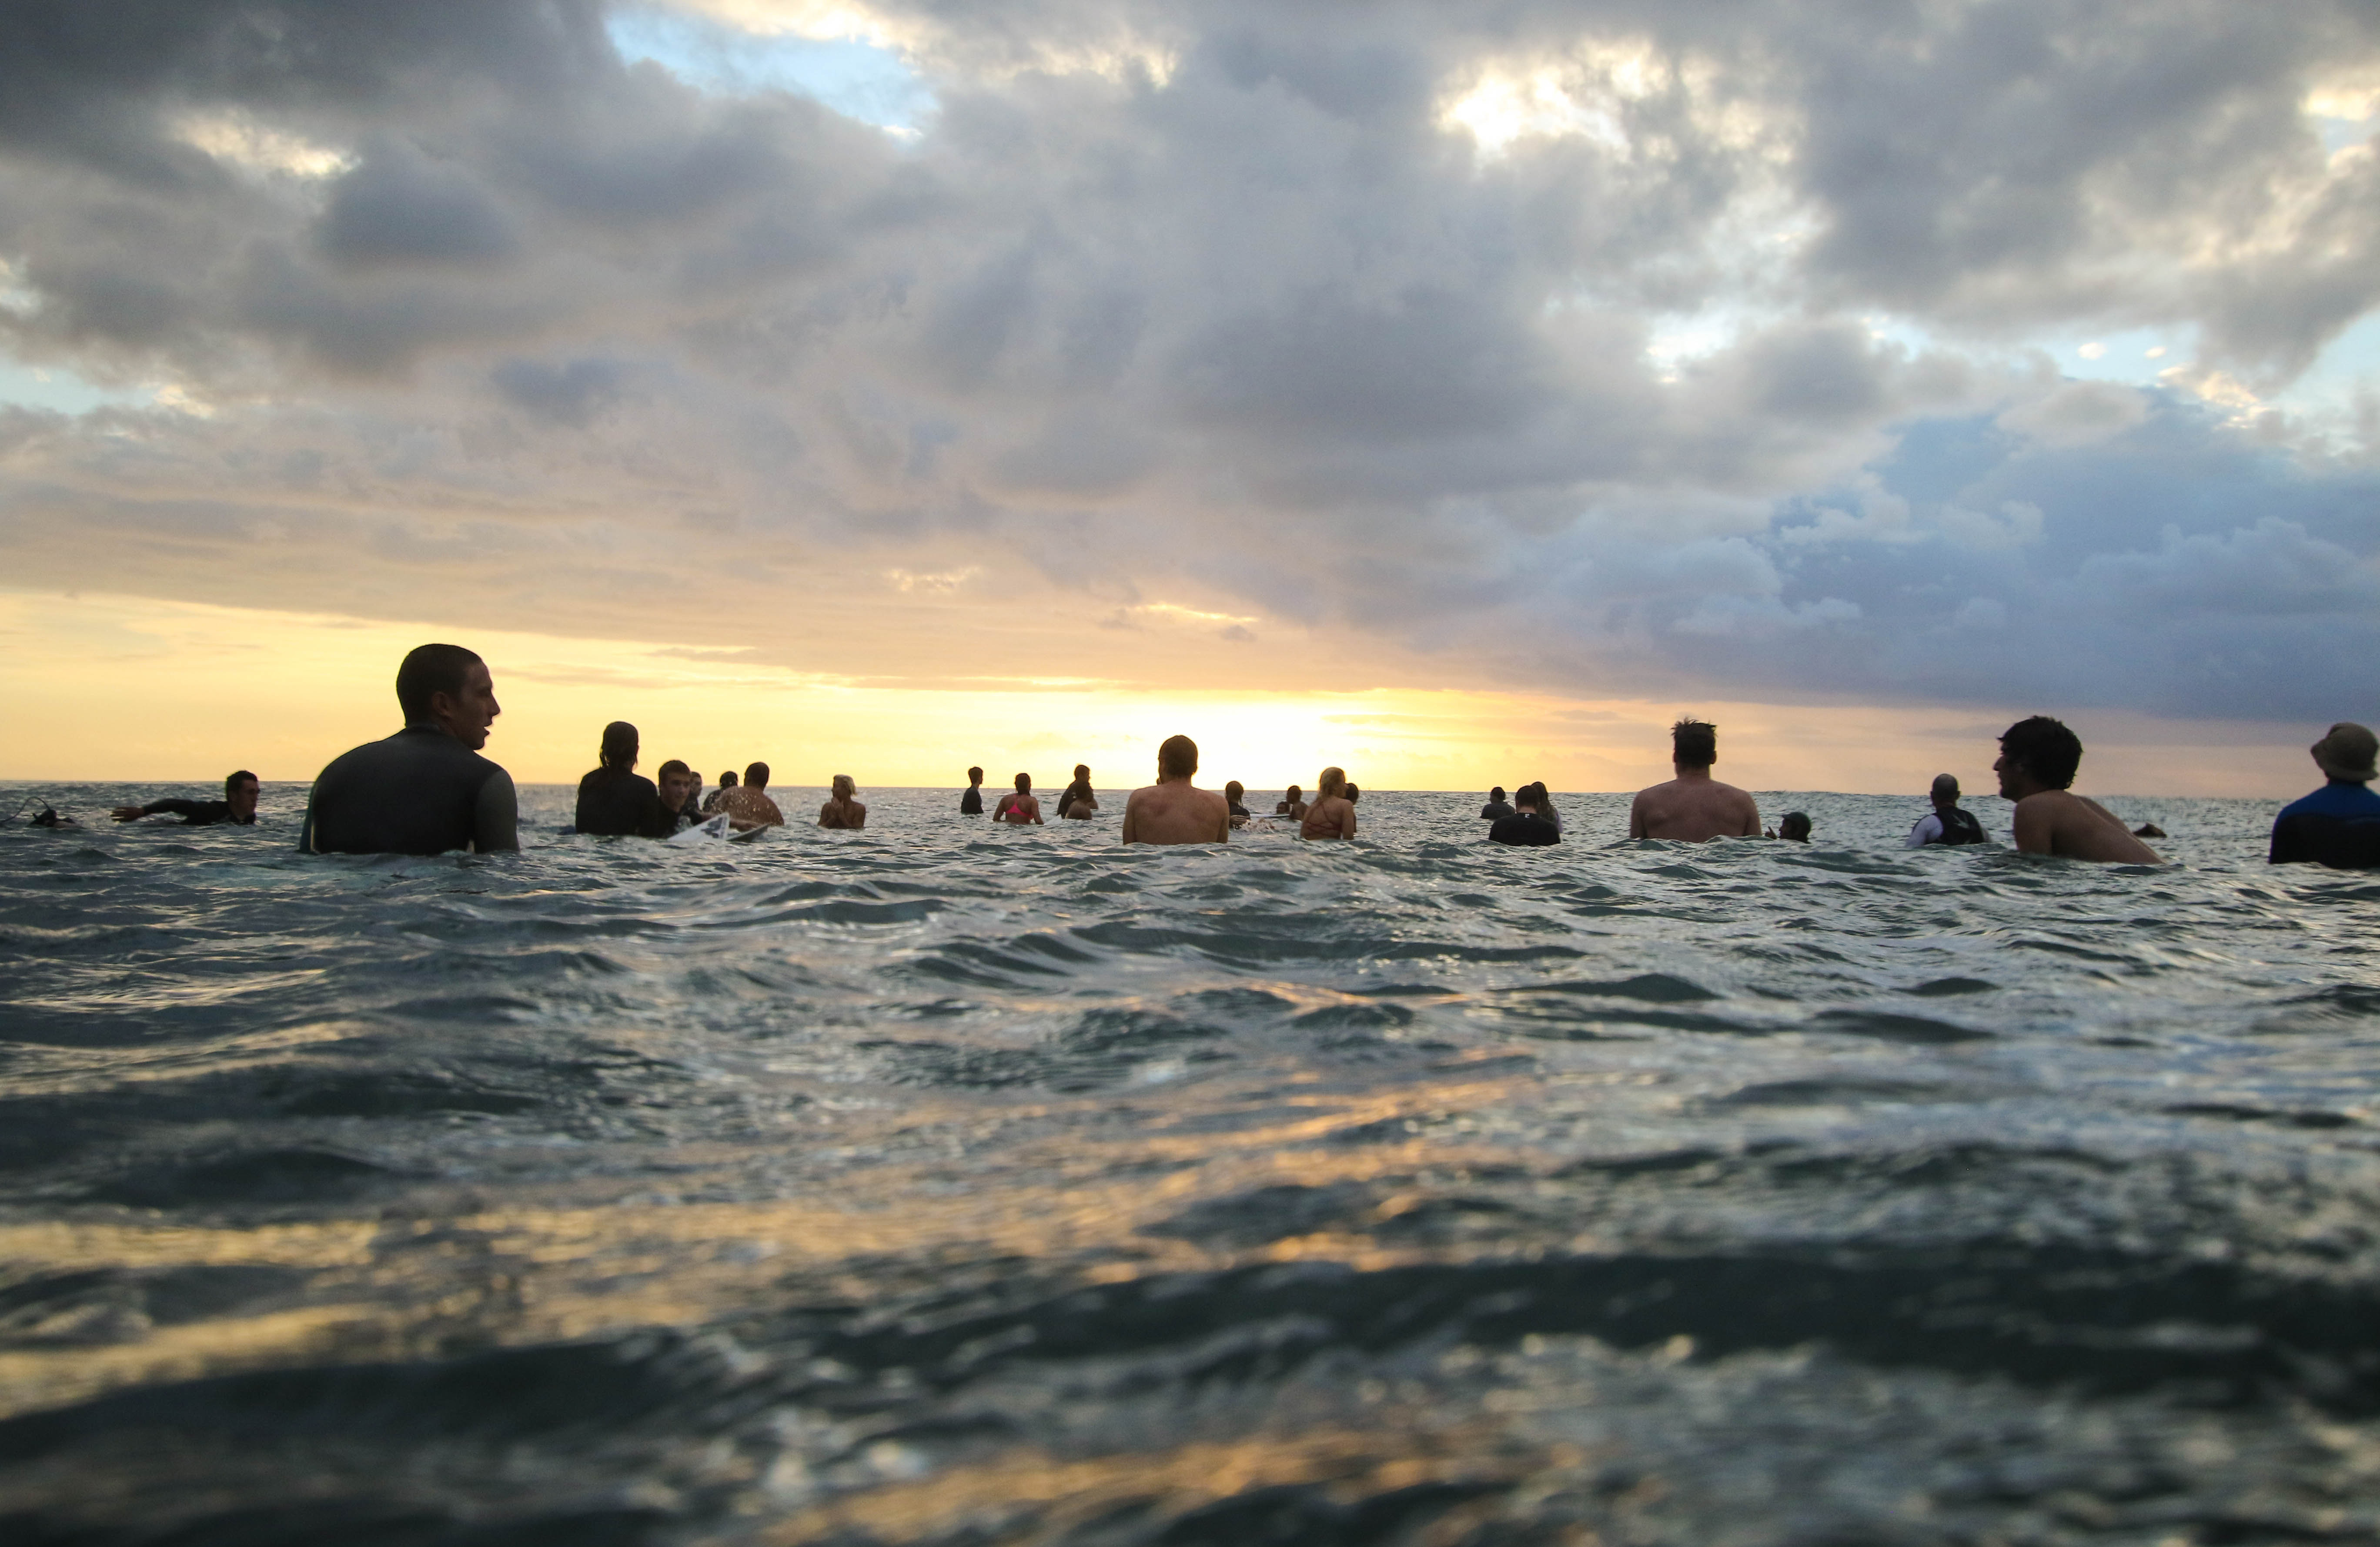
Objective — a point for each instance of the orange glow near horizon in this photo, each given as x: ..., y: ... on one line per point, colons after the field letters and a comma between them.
x: 112, y: 687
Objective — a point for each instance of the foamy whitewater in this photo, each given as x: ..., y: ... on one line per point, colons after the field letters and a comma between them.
x: 945, y: 1184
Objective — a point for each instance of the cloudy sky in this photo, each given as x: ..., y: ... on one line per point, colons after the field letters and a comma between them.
x: 935, y: 381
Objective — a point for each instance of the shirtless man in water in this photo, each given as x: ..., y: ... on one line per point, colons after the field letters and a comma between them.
x: 1173, y: 810
x: 1693, y: 806
x: 1332, y: 815
x: 2038, y: 758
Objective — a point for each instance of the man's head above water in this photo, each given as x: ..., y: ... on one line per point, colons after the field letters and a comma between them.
x: 2037, y: 754
x: 1694, y: 743
x: 448, y: 687
x: 1946, y: 789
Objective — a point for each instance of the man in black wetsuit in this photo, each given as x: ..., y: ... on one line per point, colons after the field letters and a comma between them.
x: 971, y: 803
x: 1495, y: 809
x: 614, y: 800
x: 1525, y: 827
x: 710, y: 802
x: 426, y: 789
x: 677, y: 784
x: 239, y: 805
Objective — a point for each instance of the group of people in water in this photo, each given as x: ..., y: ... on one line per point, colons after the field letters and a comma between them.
x: 428, y: 790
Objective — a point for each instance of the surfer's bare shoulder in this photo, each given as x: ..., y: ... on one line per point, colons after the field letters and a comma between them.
x: 2072, y: 827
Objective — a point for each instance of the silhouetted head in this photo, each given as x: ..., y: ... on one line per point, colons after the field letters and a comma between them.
x: 1330, y: 782
x: 620, y: 744
x: 1496, y: 793
x: 240, y: 791
x: 757, y: 776
x: 1177, y: 758
x: 2348, y: 753
x: 1694, y: 743
x: 844, y: 787
x: 1233, y: 790
x: 1946, y: 789
x: 1795, y: 825
x: 1025, y: 783
x: 975, y: 776
x: 1082, y: 770
x: 432, y: 668
x: 727, y: 780
x: 2044, y: 749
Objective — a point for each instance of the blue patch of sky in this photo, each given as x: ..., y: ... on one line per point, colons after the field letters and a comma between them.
x: 855, y: 78
x: 60, y: 391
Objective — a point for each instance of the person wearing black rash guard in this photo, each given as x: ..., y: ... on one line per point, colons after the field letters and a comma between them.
x: 971, y: 803
x: 1525, y: 827
x: 1949, y: 822
x: 1232, y: 792
x: 237, y: 806
x: 426, y: 789
x: 614, y: 800
x: 1079, y: 794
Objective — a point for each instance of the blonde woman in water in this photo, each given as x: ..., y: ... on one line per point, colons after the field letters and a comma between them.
x: 842, y: 811
x: 1332, y: 815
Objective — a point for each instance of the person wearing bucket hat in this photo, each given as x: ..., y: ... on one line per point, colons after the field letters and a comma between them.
x: 2339, y: 824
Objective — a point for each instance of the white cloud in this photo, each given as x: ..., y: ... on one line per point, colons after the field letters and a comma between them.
x: 2076, y: 413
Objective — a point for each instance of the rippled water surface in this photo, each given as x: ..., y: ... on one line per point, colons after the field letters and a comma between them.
x: 942, y: 1184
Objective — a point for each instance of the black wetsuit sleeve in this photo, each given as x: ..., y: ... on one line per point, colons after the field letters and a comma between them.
x: 194, y: 813
x: 495, y: 817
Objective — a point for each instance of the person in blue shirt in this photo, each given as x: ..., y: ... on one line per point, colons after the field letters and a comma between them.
x: 2339, y: 824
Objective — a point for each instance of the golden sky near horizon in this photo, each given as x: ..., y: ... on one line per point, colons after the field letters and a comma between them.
x: 116, y: 688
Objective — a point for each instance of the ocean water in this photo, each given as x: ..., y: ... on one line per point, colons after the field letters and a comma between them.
x: 939, y: 1183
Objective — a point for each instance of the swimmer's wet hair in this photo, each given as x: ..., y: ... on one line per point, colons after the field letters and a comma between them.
x: 757, y: 775
x: 975, y: 776
x: 1330, y: 782
x: 1025, y: 783
x: 233, y: 782
x: 432, y: 668
x: 842, y: 784
x: 1178, y: 757
x: 1694, y: 742
x: 620, y: 744
x: 1233, y: 790
x: 675, y: 765
x: 2045, y: 747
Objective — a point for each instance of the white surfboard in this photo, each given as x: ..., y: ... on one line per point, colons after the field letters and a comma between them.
x: 710, y: 830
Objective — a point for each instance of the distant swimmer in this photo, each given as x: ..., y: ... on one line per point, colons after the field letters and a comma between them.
x: 1352, y: 794
x: 748, y: 805
x: 1693, y: 806
x: 614, y: 800
x: 2037, y: 763
x: 1332, y: 815
x: 2337, y: 825
x: 677, y: 784
x: 1498, y: 807
x: 1545, y: 803
x: 1794, y: 827
x: 237, y: 806
x: 1526, y: 827
x: 841, y: 810
x: 971, y: 803
x: 726, y: 782
x: 1174, y: 810
x: 1020, y: 809
x: 1293, y: 805
x: 1949, y: 822
x: 1078, y: 795
x: 426, y: 789
x: 1234, y: 792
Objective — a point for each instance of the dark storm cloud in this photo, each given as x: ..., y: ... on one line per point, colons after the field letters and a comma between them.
x: 1587, y: 335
